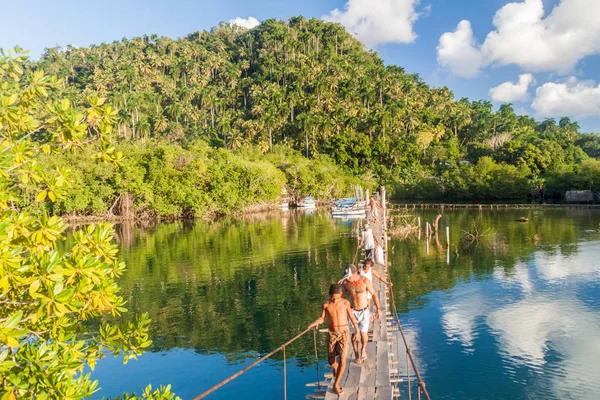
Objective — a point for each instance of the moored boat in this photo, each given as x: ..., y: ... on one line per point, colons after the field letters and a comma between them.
x: 307, y: 202
x: 348, y: 212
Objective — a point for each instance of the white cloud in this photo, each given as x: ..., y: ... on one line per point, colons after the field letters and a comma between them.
x: 465, y: 305
x: 247, y: 23
x: 537, y: 322
x: 572, y: 97
x: 554, y: 268
x: 457, y: 50
x: 528, y: 329
x: 524, y: 37
x: 378, y: 21
x: 508, y: 92
x: 519, y: 276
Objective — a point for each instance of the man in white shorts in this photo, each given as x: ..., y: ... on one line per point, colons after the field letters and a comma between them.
x: 358, y: 286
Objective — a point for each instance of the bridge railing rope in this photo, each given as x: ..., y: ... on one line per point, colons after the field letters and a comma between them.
x: 410, y: 361
x: 263, y: 358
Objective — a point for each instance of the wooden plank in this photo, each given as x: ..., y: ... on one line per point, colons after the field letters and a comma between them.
x: 383, y: 392
x: 383, y: 368
x: 353, y: 374
x: 371, y: 392
x: 369, y: 368
x: 362, y: 394
x: 350, y: 393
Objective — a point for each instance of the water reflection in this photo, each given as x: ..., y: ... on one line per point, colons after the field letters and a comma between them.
x: 460, y: 313
x: 222, y: 293
x: 552, y: 320
x: 517, y: 318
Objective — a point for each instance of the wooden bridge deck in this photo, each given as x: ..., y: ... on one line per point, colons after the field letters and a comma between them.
x: 371, y: 380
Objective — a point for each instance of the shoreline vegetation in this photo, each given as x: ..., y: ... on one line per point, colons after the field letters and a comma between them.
x: 221, y: 121
x: 166, y: 181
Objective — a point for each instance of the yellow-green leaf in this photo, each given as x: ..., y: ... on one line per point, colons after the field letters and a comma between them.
x: 41, y: 196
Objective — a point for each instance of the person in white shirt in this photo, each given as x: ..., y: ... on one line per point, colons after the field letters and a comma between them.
x: 369, y: 272
x: 368, y: 241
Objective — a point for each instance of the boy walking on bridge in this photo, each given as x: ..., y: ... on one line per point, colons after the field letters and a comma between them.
x: 338, y: 312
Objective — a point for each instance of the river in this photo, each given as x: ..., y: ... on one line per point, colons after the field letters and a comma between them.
x: 515, y: 317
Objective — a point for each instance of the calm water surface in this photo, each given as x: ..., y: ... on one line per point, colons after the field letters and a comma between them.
x: 517, y: 317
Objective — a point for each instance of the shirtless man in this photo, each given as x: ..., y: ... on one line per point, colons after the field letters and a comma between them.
x: 338, y: 312
x: 375, y: 205
x: 358, y: 286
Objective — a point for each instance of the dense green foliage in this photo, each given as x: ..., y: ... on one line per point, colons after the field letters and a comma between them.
x: 47, y: 292
x: 168, y: 180
x: 310, y: 86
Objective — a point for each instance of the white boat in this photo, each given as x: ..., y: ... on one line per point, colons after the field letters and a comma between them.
x: 348, y: 212
x: 306, y: 203
x: 284, y: 204
x: 349, y: 217
x: 349, y: 202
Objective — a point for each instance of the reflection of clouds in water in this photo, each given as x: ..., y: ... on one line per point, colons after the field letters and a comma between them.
x: 460, y: 313
x: 556, y: 267
x: 579, y: 380
x: 523, y: 329
x: 519, y: 276
x: 411, y: 333
x: 526, y: 329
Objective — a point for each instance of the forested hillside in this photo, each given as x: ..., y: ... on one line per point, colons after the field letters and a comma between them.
x: 310, y: 86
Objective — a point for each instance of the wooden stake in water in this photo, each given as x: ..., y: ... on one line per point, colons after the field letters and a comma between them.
x: 448, y: 236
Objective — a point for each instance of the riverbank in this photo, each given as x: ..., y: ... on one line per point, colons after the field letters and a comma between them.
x: 489, y: 206
x: 158, y: 180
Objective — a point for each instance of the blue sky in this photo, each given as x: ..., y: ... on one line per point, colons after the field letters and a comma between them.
x: 540, y: 55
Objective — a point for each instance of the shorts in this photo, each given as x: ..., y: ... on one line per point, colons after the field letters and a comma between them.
x: 369, y: 253
x: 363, y: 317
x: 374, y: 212
x: 338, y: 343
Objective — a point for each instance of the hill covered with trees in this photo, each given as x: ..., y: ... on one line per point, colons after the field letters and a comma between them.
x: 309, y: 86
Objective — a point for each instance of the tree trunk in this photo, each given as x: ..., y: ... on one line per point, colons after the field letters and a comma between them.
x: 132, y: 125
x: 306, y: 140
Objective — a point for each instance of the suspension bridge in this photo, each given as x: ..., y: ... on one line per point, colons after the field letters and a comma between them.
x: 390, y: 371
